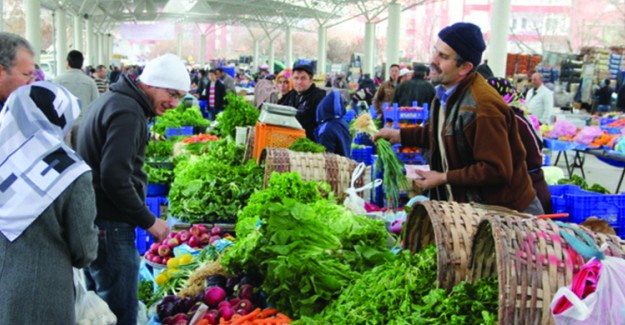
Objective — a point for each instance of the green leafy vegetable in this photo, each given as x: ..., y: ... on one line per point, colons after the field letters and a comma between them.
x: 238, y: 112
x: 213, y: 187
x: 306, y: 145
x: 146, y: 291
x: 577, y: 180
x: 179, y: 117
x: 159, y: 150
x: 158, y: 175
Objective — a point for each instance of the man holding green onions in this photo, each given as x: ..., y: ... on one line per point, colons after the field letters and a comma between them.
x: 472, y: 135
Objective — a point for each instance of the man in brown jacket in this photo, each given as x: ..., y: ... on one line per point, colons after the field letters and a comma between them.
x: 476, y: 152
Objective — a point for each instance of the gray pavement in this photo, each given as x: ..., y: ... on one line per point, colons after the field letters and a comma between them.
x: 595, y: 170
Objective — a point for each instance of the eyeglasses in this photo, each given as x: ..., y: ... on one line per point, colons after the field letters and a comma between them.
x: 173, y: 93
x: 437, y: 53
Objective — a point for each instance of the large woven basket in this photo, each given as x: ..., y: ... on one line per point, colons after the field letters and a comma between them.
x: 450, y: 226
x: 531, y: 260
x: 334, y: 169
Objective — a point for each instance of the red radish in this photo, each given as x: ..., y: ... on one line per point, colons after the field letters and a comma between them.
x: 212, y: 316
x: 242, y: 312
x: 169, y: 320
x: 194, y: 241
x: 234, y: 301
x: 245, y: 304
x: 182, y: 322
x: 223, y: 304
x: 214, y: 295
x: 227, y: 313
x: 173, y: 242
x: 213, y: 239
x: 246, y: 292
x: 215, y: 231
x: 164, y: 251
x: 180, y: 316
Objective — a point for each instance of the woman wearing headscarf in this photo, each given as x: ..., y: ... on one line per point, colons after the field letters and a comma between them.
x: 332, y: 131
x: 47, y: 207
x: 284, y: 84
x: 531, y: 140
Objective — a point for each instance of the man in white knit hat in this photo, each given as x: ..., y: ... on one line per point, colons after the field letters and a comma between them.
x: 112, y: 140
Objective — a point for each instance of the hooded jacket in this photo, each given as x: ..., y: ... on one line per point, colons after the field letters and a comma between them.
x: 484, y: 152
x: 414, y: 90
x: 112, y: 139
x: 333, y: 131
x: 306, y: 105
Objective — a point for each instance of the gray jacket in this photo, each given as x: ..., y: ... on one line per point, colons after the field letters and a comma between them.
x: 36, y: 280
x: 81, y: 86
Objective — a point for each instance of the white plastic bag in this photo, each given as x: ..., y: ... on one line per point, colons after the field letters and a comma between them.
x: 353, y: 202
x: 90, y: 308
x: 606, y: 305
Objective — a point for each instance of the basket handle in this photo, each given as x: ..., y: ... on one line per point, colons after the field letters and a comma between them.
x: 356, y: 174
x: 588, y: 249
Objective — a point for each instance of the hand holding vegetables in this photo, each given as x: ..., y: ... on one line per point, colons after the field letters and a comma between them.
x: 430, y: 179
x: 391, y: 135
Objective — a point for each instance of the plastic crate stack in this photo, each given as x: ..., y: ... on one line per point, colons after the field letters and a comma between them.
x: 580, y: 205
x: 396, y: 117
x: 616, y: 59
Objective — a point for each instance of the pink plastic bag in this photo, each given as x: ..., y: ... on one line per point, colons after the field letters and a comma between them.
x: 588, y: 134
x: 562, y: 128
x: 596, y: 296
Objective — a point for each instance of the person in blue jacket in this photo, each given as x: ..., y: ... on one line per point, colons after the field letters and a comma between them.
x: 333, y: 131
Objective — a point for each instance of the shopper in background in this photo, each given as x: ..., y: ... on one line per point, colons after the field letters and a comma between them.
x: 604, y: 97
x: 472, y: 135
x: 112, y: 140
x: 367, y: 85
x: 539, y: 99
x: 404, y: 75
x: 213, y: 94
x: 387, y: 90
x: 227, y: 79
x: 17, y: 64
x: 48, y: 207
x: 305, y: 97
x: 416, y: 89
x: 100, y: 79
x: 339, y: 82
x: 531, y: 140
x: 114, y: 75
x: 284, y: 84
x: 333, y: 131
x: 620, y: 100
x: 79, y: 84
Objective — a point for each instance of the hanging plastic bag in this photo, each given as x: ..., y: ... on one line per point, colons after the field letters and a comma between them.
x: 353, y: 202
x: 90, y: 308
x: 597, y: 294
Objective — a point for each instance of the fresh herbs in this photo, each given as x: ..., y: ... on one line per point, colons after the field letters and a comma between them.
x: 306, y: 145
x: 159, y: 150
x: 158, y: 175
x: 179, y: 117
x: 213, y: 187
x: 576, y: 180
x: 238, y: 112
x: 402, y: 291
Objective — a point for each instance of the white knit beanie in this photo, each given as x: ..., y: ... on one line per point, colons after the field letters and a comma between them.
x: 166, y: 71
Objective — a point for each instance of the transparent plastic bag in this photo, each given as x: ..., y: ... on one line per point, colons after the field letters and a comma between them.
x: 90, y: 309
x: 353, y: 202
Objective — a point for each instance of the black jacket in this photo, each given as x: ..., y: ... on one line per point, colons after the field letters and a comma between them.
x: 604, y: 95
x: 620, y: 101
x: 306, y: 106
x: 414, y: 90
x: 112, y: 139
x: 220, y: 93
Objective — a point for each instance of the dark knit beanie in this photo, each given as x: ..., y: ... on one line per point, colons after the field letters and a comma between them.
x: 466, y: 39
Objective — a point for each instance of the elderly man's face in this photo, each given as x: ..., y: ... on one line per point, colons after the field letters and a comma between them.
x: 20, y: 74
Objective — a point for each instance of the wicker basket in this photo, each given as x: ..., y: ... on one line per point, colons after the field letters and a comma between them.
x: 450, y: 226
x: 249, y: 145
x: 334, y: 169
x: 531, y: 260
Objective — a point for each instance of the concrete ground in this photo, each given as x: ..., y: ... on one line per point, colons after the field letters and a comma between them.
x: 595, y: 170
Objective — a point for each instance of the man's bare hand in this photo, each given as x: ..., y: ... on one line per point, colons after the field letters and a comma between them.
x: 159, y: 230
x: 391, y: 135
x: 430, y: 179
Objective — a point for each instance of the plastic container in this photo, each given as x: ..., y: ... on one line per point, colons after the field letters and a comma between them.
x: 267, y: 135
x: 558, y: 196
x: 412, y: 115
x: 557, y: 145
x: 157, y: 189
x: 363, y: 155
x: 143, y: 240
x: 582, y: 204
x: 157, y: 205
x: 185, y: 130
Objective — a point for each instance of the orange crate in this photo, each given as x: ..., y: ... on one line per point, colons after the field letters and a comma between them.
x: 267, y: 135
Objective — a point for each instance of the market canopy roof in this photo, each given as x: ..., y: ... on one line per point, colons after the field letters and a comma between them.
x: 279, y: 12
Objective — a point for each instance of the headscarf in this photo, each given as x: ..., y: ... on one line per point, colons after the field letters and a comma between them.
x: 286, y: 74
x: 509, y: 94
x: 36, y: 166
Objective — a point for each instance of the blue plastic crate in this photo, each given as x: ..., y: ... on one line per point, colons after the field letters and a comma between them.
x: 157, y: 189
x: 185, y: 130
x: 606, y: 120
x: 143, y: 240
x: 557, y: 145
x: 363, y: 155
x: 155, y: 204
x: 582, y: 204
x: 413, y: 115
x: 546, y: 159
x: 559, y: 193
x: 611, y: 130
x: 413, y: 158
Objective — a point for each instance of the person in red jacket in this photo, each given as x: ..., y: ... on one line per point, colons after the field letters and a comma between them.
x: 476, y: 154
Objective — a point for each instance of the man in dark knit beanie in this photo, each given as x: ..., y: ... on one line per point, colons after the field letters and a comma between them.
x: 476, y: 154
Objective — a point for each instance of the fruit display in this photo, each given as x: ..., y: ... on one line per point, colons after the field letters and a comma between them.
x: 197, y: 237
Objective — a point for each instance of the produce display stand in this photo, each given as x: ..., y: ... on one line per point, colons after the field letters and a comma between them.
x: 609, y: 157
x: 562, y: 147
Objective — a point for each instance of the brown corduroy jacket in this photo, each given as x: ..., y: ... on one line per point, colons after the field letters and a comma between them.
x: 484, y: 152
